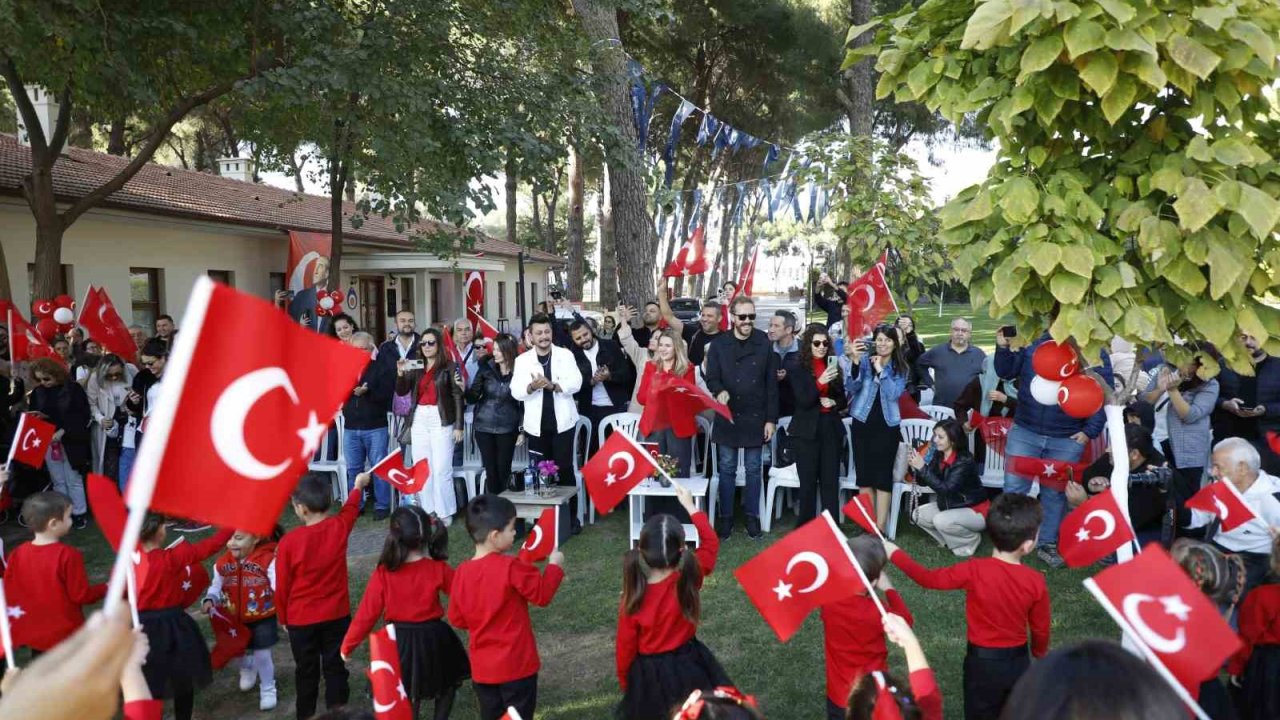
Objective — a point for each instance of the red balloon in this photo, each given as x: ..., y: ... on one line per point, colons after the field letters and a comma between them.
x: 42, y: 309
x: 1080, y: 396
x: 47, y: 329
x: 1055, y: 361
x: 337, y: 297
x: 64, y: 301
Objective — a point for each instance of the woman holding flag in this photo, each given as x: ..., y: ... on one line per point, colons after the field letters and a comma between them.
x: 436, y: 423
x: 670, y: 360
x: 63, y: 402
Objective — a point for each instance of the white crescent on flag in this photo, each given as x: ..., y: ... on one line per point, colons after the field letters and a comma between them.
x: 378, y: 666
x: 819, y: 564
x: 1131, y: 607
x: 226, y: 425
x: 1222, y: 507
x: 534, y: 539
x: 298, y: 278
x: 1108, y: 525
x: 626, y: 458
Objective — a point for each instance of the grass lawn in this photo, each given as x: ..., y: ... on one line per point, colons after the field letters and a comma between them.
x: 933, y: 329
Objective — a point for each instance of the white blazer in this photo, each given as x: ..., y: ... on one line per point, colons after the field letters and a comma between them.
x: 564, y: 372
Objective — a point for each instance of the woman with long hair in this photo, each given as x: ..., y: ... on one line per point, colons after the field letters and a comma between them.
x: 497, y: 415
x: 63, y: 402
x: 912, y: 349
x: 436, y: 425
x: 1183, y: 405
x: 672, y: 360
x: 816, y: 431
x: 343, y: 327
x: 956, y: 516
x: 108, y: 387
x: 877, y: 377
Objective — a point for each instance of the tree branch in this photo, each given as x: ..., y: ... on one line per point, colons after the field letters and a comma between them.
x: 39, y: 146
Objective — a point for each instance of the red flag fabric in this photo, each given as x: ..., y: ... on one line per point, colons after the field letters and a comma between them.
x: 870, y: 301
x: 994, y: 429
x: 1154, y: 601
x: 195, y: 580
x: 883, y: 261
x: 691, y: 259
x: 109, y: 512
x: 485, y: 329
x: 1048, y: 472
x: 26, y: 342
x: 865, y: 518
x: 473, y: 288
x: 230, y: 638
x: 31, y: 441
x: 675, y: 402
x: 99, y: 317
x: 390, y: 702
x: 1093, y: 531
x: 408, y: 480
x: 1273, y: 439
x: 1221, y: 498
x: 543, y: 538
x: 242, y: 411
x: 606, y: 484
x: 909, y: 409
x: 747, y: 278
x: 810, y: 567
x: 511, y: 714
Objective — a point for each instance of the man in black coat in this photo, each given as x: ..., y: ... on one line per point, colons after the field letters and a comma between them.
x: 608, y: 376
x: 365, y: 438
x: 742, y: 373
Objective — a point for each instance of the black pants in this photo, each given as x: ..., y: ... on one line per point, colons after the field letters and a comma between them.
x: 989, y: 677
x: 552, y: 445
x: 834, y: 711
x: 520, y: 694
x: 595, y: 414
x: 496, y: 451
x: 316, y: 650
x: 818, y: 464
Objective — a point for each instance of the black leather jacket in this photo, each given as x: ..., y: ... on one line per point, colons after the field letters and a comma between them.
x: 495, y: 410
x: 448, y: 396
x: 958, y: 486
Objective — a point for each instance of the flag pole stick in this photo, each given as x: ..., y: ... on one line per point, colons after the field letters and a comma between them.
x: 636, y: 445
x: 844, y: 543
x: 6, y: 637
x: 869, y: 520
x: 132, y: 583
x: 1145, y: 651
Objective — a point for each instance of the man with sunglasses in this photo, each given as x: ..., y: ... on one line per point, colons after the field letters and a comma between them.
x: 742, y: 372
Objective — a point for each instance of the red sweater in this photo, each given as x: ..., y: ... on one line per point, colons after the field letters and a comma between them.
x: 1259, y: 623
x: 409, y: 594
x: 853, y: 640
x: 658, y: 625
x: 157, y: 588
x: 46, y: 588
x: 647, y: 380
x: 311, y: 569
x: 143, y: 710
x: 924, y: 688
x: 490, y: 599
x: 1001, y: 599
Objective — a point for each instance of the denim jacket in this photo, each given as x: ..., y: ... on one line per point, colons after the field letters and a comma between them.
x: 859, y: 382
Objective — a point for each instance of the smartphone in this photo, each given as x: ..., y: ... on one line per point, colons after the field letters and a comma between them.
x: 413, y: 365
x: 831, y: 359
x: 1009, y: 331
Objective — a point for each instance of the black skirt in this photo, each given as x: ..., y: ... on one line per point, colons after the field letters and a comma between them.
x: 657, y: 685
x: 875, y: 447
x: 263, y: 633
x: 1259, y: 695
x: 432, y: 658
x: 178, y: 661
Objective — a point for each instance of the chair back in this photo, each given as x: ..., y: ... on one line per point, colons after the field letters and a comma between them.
x: 627, y: 422
x: 916, y: 431
x: 581, y: 443
x: 939, y: 412
x: 702, y: 451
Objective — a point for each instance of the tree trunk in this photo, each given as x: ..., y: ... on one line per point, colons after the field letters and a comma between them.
x: 338, y: 180
x: 726, y: 231
x: 608, y: 252
x: 295, y: 169
x: 858, y: 91
x: 577, y: 241
x: 635, y: 243
x: 115, y: 138
x: 512, y: 180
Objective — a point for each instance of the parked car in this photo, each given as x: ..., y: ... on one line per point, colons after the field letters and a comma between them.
x: 686, y: 308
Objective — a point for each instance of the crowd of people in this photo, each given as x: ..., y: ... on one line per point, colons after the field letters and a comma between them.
x: 801, y: 382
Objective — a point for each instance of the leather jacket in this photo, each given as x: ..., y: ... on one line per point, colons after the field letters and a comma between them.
x: 959, y: 485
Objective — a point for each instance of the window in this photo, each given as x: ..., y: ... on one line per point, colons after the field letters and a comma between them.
x: 226, y: 277
x: 533, y: 296
x: 66, y: 279
x: 406, y: 294
x: 275, y: 284
x: 144, y: 292
x: 502, y: 299
x: 435, y: 301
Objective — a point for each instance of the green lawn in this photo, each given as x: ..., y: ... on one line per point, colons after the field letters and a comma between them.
x: 933, y: 329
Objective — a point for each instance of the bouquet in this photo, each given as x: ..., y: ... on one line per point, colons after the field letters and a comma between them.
x: 547, y: 473
x: 668, y: 465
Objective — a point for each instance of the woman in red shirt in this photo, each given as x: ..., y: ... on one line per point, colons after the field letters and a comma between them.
x: 436, y: 424
x: 405, y: 591
x: 660, y: 659
x: 816, y: 432
x: 671, y: 358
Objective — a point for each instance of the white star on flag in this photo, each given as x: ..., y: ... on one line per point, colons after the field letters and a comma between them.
x: 1049, y: 471
x: 16, y: 612
x: 1083, y: 534
x: 35, y: 442
x: 610, y: 479
x: 681, y: 390
x: 476, y: 308
x: 232, y: 632
x: 400, y: 689
x: 783, y: 590
x: 186, y: 585
x: 1174, y: 606
x: 311, y: 435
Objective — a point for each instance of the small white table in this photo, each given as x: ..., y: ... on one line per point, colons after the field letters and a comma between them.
x: 530, y: 507
x: 697, y: 486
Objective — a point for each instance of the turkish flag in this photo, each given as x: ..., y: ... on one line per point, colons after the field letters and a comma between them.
x: 230, y: 638
x: 747, y: 278
x: 242, y: 410
x: 473, y: 288
x: 691, y: 259
x: 1093, y: 531
x: 869, y: 302
x: 194, y: 578
x: 1156, y: 603
x: 390, y: 702
x: 883, y: 261
x: 99, y: 317
x: 606, y: 485
x: 675, y: 402
x: 485, y: 329
x: 1221, y: 498
x: 455, y: 355
x: 545, y: 535
x: 994, y: 429
x: 511, y: 714
x: 26, y: 342
x: 862, y: 511
x: 1048, y: 472
x: 109, y: 512
x: 408, y: 480
x: 810, y: 567
x: 31, y: 441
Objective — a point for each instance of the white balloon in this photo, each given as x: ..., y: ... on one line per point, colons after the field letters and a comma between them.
x: 326, y: 302
x: 63, y: 316
x: 1045, y: 391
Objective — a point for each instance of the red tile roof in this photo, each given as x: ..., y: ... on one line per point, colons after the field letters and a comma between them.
x: 172, y: 191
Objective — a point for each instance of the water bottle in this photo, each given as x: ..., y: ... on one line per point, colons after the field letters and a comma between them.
x: 530, y: 480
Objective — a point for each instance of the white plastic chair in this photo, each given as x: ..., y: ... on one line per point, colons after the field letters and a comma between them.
x: 926, y: 396
x: 778, y: 477
x: 701, y: 452
x: 740, y: 480
x: 849, y: 480
x: 939, y: 412
x: 913, y: 432
x: 627, y: 422
x: 472, y: 467
x: 993, y: 469
x: 320, y: 461
x: 581, y: 445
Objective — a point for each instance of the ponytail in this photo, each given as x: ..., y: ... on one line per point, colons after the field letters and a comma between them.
x: 662, y: 547
x: 688, y: 585
x: 409, y: 530
x: 438, y: 539
x: 634, y: 581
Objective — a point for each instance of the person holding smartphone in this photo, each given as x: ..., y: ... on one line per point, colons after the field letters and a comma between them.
x: 877, y: 377
x: 1183, y: 403
x: 436, y: 422
x: 816, y: 431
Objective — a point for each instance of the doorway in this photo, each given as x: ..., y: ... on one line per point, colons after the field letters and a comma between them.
x: 373, y: 315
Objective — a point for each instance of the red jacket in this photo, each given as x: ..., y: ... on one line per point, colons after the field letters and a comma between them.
x: 853, y: 640
x: 158, y: 588
x: 1259, y: 624
x: 46, y: 588
x: 491, y: 599
x: 409, y: 594
x: 651, y: 369
x: 246, y: 584
x: 143, y: 710
x: 311, y: 569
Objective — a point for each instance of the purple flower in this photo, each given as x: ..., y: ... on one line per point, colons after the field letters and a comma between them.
x: 547, y: 468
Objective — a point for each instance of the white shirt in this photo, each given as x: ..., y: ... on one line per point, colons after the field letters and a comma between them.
x: 564, y: 372
x: 1253, y: 536
x: 599, y: 395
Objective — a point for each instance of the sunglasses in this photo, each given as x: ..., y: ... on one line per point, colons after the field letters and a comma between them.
x: 821, y: 343
x: 747, y: 318
x: 429, y: 343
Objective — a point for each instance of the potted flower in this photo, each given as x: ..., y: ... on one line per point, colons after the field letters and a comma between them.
x: 667, y: 465
x: 547, y: 473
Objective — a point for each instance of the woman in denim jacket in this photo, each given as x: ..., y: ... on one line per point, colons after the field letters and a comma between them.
x: 875, y: 380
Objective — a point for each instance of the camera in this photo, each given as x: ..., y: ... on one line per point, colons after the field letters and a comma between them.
x: 555, y: 291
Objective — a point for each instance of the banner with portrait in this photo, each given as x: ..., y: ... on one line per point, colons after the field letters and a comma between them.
x: 307, y: 277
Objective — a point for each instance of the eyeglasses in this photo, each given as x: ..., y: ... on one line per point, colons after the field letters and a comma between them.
x: 747, y: 318
x: 428, y: 343
x: 821, y: 343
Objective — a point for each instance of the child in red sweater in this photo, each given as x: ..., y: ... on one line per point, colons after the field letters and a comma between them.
x: 45, y: 583
x: 852, y: 634
x: 178, y: 662
x: 660, y: 659
x: 920, y: 701
x: 1256, y: 668
x: 312, y: 600
x: 412, y: 574
x: 490, y: 599
x: 1002, y: 598
x: 243, y: 587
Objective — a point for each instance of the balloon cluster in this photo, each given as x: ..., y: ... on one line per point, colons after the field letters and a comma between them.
x: 1060, y: 380
x: 330, y: 303
x: 54, y: 317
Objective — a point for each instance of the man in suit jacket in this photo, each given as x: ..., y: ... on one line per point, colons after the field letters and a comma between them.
x: 304, y: 303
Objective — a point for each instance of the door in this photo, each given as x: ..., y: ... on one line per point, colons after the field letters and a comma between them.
x: 373, y: 315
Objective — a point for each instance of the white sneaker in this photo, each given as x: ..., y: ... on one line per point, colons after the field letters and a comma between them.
x: 248, y: 678
x: 267, y: 698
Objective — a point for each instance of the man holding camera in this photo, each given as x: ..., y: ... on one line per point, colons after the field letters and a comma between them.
x: 830, y: 304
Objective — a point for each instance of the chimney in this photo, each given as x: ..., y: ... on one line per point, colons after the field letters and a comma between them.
x: 236, y: 168
x: 46, y: 110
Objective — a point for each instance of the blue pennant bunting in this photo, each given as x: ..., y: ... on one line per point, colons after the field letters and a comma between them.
x: 722, y: 139
x: 708, y: 129
x: 669, y: 154
x: 767, y: 194
x: 647, y: 114
x: 638, y: 93
x: 737, y: 205
x: 770, y: 157
x: 749, y: 142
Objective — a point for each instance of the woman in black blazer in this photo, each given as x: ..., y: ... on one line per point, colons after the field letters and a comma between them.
x: 815, y: 432
x: 957, y: 516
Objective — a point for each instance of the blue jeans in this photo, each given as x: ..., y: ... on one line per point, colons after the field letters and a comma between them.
x: 359, y: 446
x: 127, y: 456
x: 1030, y: 444
x: 728, y: 461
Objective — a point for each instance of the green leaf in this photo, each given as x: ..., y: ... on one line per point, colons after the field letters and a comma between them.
x: 1145, y: 323
x: 1232, y: 152
x: 1067, y: 288
x: 1186, y: 276
x: 988, y: 25
x: 1044, y: 257
x: 1124, y: 39
x: 1210, y: 320
x: 1020, y: 200
x: 1040, y: 54
x: 1213, y: 15
x: 1008, y: 285
x: 1099, y: 72
x: 1262, y: 44
x: 1192, y: 56
x: 1226, y: 266
x: 1259, y: 209
x: 1037, y: 155
x: 1118, y: 9
x: 979, y: 208
x: 1083, y: 36
x: 1249, y: 323
x: 1146, y: 69
x: 1117, y: 102
x: 1078, y: 262
x: 1196, y: 204
x: 1106, y: 281
x: 1132, y: 216
x: 856, y: 31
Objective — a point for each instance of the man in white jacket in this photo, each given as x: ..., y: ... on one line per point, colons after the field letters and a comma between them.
x: 545, y: 379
